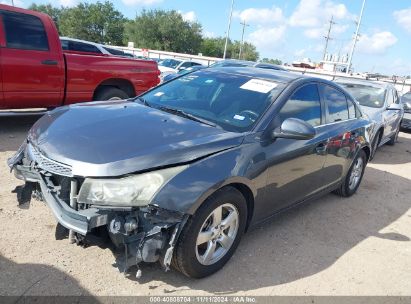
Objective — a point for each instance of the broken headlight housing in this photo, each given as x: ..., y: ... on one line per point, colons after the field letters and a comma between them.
x: 132, y: 191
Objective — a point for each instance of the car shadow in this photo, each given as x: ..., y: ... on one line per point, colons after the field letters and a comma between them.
x: 18, y: 281
x: 303, y: 241
x: 13, y: 130
x: 401, y: 150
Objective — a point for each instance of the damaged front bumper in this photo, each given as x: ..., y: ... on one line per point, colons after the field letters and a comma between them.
x: 147, y: 234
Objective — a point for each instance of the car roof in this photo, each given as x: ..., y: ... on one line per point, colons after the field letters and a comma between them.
x: 268, y: 74
x: 79, y: 40
x: 364, y: 82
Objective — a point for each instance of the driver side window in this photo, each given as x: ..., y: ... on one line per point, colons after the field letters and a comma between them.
x: 304, y: 104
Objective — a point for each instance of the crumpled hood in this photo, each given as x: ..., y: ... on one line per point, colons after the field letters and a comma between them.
x: 117, y: 138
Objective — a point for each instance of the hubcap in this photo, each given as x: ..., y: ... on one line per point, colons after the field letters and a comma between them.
x: 217, y: 234
x: 356, y: 173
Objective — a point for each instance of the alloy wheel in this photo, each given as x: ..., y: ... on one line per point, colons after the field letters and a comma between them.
x: 217, y: 234
x: 356, y: 173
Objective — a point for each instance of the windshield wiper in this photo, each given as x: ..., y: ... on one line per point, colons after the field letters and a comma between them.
x: 186, y: 115
x: 144, y: 101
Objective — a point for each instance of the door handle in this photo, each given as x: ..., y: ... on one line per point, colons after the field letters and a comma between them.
x: 49, y: 62
x: 321, y: 149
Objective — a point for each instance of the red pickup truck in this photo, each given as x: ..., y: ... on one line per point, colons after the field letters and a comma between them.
x: 36, y: 73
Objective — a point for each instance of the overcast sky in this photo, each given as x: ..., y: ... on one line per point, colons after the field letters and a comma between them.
x: 294, y: 29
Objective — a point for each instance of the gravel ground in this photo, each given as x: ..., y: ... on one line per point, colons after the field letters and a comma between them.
x: 331, y: 246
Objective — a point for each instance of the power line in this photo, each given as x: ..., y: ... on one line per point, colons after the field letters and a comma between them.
x: 242, y: 38
x: 328, y: 38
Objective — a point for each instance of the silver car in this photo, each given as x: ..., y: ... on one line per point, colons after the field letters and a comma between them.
x: 381, y: 103
x: 406, y: 102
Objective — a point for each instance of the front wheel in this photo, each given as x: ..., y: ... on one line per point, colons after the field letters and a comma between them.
x: 354, y: 176
x: 394, y: 137
x: 212, y: 234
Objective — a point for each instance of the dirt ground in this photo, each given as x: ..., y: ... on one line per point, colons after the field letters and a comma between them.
x: 332, y: 246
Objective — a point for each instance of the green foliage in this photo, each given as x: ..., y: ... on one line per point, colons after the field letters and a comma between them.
x: 214, y: 47
x: 54, y: 12
x: 153, y: 29
x: 98, y: 22
x: 273, y: 61
x: 165, y: 31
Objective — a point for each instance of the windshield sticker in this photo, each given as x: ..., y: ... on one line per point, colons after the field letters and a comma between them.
x: 158, y: 94
x: 239, y: 117
x: 258, y: 85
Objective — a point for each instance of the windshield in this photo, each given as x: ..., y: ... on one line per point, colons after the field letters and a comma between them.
x: 406, y: 97
x: 233, y: 102
x: 367, y: 96
x: 170, y: 63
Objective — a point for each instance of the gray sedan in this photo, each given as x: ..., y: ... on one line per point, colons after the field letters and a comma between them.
x: 178, y: 174
x: 381, y: 103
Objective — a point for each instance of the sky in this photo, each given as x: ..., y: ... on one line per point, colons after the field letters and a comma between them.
x: 294, y: 29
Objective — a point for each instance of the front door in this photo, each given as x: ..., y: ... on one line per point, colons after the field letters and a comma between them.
x: 295, y: 166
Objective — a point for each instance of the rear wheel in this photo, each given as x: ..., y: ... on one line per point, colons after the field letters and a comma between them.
x: 212, y: 234
x: 111, y: 93
x: 354, y: 176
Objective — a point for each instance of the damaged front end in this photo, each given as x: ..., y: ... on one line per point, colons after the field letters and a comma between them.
x: 145, y: 231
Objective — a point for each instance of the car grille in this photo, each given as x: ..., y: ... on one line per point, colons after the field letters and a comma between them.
x: 48, y: 164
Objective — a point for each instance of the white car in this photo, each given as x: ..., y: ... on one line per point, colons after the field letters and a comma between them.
x: 171, y: 66
x: 77, y: 45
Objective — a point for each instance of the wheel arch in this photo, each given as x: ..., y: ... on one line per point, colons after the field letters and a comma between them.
x: 119, y: 83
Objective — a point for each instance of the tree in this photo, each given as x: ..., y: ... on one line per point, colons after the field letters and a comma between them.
x: 273, y: 61
x: 214, y: 47
x: 164, y: 30
x: 98, y: 22
x: 54, y: 12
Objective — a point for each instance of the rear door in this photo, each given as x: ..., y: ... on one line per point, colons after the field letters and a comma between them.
x: 32, y: 66
x: 342, y: 133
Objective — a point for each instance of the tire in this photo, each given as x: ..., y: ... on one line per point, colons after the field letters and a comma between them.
x: 347, y: 188
x: 394, y: 137
x: 110, y: 93
x: 375, y: 144
x: 191, y: 258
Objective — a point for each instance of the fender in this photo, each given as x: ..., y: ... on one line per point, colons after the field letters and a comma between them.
x: 189, y: 189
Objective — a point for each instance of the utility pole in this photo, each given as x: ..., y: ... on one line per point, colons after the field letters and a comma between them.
x: 228, y: 29
x: 242, y: 38
x: 355, y: 38
x: 12, y: 2
x: 328, y: 38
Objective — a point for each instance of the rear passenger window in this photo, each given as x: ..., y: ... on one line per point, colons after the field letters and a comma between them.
x: 24, y: 32
x: 303, y: 104
x: 351, y: 109
x: 336, y: 103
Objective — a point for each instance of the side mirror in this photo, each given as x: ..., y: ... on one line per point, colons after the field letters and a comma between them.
x: 394, y: 107
x: 294, y: 128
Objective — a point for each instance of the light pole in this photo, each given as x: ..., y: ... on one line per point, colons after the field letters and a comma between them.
x: 355, y: 39
x: 228, y: 29
x: 242, y: 38
x: 12, y: 2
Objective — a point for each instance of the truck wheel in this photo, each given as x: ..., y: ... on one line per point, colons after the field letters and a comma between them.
x: 111, y: 93
x: 212, y: 234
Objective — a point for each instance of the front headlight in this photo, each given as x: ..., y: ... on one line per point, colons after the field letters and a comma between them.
x: 136, y: 190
